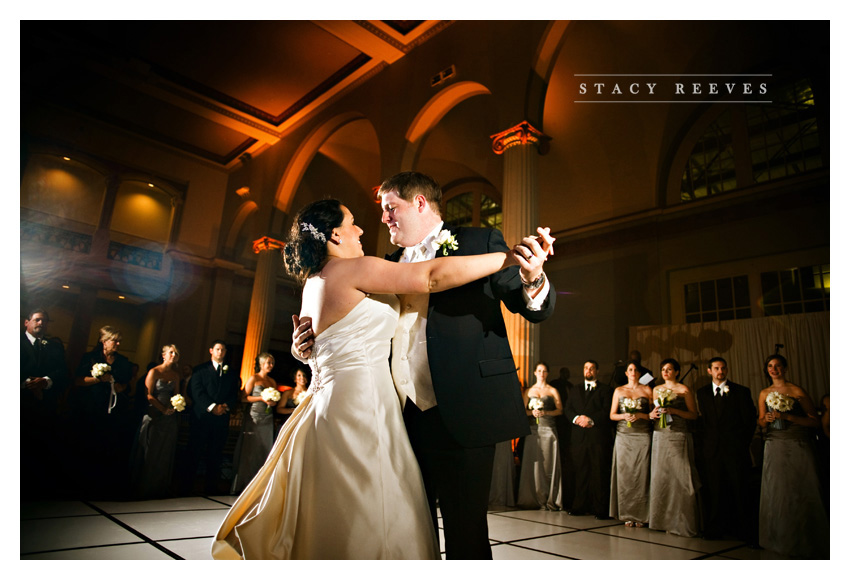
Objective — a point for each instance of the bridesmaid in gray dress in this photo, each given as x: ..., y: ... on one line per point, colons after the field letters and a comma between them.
x: 673, y: 485
x: 156, y: 441
x: 630, y: 465
x: 792, y: 518
x: 257, y: 426
x: 540, y: 475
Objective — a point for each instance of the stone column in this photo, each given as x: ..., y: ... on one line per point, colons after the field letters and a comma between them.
x: 261, y: 312
x: 520, y: 146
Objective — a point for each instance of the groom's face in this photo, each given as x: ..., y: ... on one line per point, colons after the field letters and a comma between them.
x: 405, y: 219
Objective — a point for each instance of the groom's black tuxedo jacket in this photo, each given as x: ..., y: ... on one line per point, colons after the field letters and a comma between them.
x: 473, y: 371
x: 206, y: 388
x: 726, y: 427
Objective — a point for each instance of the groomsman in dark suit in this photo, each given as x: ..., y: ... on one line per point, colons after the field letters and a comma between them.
x: 726, y: 423
x: 214, y: 390
x: 44, y: 379
x: 591, y: 443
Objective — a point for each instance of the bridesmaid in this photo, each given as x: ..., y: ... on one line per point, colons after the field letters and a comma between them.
x: 258, y: 424
x: 673, y: 481
x: 630, y: 466
x: 792, y: 518
x: 156, y: 441
x: 540, y: 475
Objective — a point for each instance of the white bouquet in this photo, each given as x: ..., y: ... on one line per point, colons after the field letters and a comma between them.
x: 779, y: 402
x: 663, y: 398
x: 270, y: 394
x: 630, y: 405
x: 178, y: 402
x: 536, y: 404
x: 299, y: 398
x: 100, y: 369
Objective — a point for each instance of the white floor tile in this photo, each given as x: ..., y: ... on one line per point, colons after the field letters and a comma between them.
x: 175, y: 525
x: 72, y: 532
x: 505, y: 529
x: 54, y: 509
x: 659, y: 537
x: 158, y: 505
x: 196, y: 549
x: 511, y: 552
x: 594, y: 546
x: 123, y: 552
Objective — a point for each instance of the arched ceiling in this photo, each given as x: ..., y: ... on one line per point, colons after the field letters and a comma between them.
x: 216, y: 90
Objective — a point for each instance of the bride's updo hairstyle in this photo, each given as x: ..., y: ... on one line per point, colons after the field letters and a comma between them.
x: 306, y: 248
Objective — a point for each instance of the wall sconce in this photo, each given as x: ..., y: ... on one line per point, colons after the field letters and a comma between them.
x: 243, y: 191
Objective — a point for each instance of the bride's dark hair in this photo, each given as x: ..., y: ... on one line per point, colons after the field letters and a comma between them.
x: 306, y: 248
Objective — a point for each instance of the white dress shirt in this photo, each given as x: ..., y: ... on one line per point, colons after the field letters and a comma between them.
x: 410, y: 368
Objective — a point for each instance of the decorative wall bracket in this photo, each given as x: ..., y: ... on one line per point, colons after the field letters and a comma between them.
x: 521, y: 134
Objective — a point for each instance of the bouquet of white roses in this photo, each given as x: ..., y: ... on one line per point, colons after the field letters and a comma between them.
x: 178, y: 402
x: 299, y: 398
x: 663, y: 398
x: 270, y: 394
x: 536, y: 404
x: 779, y: 402
x: 100, y: 369
x: 630, y: 405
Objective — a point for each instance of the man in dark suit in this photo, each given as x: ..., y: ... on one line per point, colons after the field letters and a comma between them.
x: 214, y: 390
x: 44, y: 380
x: 726, y: 424
x: 451, y: 361
x: 591, y: 443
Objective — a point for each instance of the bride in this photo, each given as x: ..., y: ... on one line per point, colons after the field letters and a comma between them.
x: 341, y: 481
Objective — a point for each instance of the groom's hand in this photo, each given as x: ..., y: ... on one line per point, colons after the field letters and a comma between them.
x: 302, y: 336
x: 531, y: 254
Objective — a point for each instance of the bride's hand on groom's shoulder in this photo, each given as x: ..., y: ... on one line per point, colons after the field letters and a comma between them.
x: 302, y: 335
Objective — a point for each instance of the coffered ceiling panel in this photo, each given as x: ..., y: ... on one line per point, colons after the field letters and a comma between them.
x: 212, y: 89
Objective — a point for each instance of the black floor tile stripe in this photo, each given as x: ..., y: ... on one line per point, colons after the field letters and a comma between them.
x: 136, y: 533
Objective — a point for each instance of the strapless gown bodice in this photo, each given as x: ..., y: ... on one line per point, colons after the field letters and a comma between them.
x: 341, y: 481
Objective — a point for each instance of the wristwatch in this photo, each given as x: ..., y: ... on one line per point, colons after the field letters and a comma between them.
x: 536, y: 283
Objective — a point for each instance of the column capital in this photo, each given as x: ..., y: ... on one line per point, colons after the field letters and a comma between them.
x: 521, y: 134
x: 267, y: 243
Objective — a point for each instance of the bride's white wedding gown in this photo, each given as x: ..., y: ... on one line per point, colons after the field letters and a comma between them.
x: 341, y: 481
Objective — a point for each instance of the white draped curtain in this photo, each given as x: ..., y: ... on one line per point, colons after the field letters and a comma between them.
x: 745, y: 344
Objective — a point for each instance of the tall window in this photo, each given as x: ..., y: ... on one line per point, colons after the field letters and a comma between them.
x: 722, y: 299
x: 784, y: 135
x: 711, y: 167
x: 796, y: 290
x: 474, y: 209
x: 782, y: 138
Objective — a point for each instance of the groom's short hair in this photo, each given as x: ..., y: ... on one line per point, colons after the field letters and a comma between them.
x: 409, y: 184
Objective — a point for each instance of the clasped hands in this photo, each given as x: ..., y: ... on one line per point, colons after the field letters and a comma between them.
x: 220, y: 409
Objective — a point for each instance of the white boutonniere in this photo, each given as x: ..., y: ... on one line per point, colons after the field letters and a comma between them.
x: 445, y: 241
x: 224, y: 369
x: 724, y: 389
x: 43, y: 342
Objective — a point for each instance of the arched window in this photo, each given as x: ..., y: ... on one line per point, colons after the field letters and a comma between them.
x: 472, y: 205
x: 774, y: 140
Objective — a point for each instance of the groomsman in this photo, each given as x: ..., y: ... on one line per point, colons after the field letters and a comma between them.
x: 591, y: 443
x: 214, y: 390
x: 44, y: 379
x: 727, y: 422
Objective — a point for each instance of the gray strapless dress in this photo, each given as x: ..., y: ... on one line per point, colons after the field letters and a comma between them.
x: 630, y: 467
x: 792, y: 518
x: 156, y: 443
x: 256, y: 441
x: 540, y: 475
x: 673, y: 484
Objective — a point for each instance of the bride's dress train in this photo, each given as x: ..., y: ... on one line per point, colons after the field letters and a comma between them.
x: 341, y: 481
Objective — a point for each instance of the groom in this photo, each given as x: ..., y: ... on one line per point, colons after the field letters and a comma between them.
x: 451, y: 361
